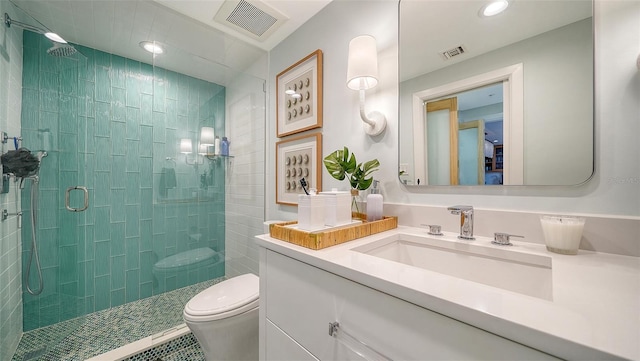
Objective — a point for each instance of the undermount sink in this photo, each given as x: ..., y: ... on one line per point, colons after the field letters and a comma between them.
x: 504, y: 268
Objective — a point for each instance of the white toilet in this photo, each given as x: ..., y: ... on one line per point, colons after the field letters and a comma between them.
x: 224, y: 319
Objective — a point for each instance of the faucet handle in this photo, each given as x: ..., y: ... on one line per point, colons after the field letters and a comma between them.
x: 434, y: 229
x: 502, y: 239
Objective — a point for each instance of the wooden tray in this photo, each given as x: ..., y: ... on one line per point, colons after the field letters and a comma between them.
x: 330, y: 237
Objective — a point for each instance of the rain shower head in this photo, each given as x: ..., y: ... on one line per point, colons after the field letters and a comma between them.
x: 60, y: 46
x: 59, y: 49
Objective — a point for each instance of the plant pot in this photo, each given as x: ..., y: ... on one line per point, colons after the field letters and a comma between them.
x: 358, y: 205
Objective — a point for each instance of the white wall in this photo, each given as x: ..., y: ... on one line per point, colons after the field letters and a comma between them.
x: 244, y: 182
x: 331, y: 30
x: 613, y: 190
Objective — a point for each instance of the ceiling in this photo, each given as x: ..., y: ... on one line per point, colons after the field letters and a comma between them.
x: 199, y: 46
x: 296, y: 13
x: 195, y: 44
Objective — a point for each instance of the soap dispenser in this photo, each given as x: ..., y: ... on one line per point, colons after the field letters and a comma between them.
x: 374, y: 203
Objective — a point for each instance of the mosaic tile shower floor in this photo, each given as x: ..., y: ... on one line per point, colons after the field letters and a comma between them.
x: 103, y: 331
x: 185, y: 348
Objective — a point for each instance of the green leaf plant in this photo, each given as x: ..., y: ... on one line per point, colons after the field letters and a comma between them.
x: 341, y: 164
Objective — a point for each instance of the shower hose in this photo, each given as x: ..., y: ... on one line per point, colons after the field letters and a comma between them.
x: 34, y: 246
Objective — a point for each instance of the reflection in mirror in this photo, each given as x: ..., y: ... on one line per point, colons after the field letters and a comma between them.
x: 463, y: 133
x: 523, y: 88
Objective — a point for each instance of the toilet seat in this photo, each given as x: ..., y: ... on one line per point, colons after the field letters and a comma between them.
x: 225, y: 299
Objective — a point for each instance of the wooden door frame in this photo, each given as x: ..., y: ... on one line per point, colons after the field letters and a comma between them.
x: 451, y: 105
x: 513, y: 81
x: 480, y: 125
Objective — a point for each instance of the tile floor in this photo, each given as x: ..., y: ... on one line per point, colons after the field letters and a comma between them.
x: 185, y: 348
x: 94, y: 334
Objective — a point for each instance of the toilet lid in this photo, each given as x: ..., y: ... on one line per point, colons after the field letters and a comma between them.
x: 225, y: 299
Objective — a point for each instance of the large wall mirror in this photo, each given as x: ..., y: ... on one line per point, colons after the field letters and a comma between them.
x: 501, y: 100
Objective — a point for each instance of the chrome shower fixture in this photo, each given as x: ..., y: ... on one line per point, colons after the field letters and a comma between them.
x: 50, y: 35
x: 60, y: 46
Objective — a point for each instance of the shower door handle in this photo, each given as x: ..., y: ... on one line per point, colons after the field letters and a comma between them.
x: 67, y: 197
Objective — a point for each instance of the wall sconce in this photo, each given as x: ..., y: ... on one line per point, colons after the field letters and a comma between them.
x: 207, y: 136
x: 207, y: 140
x: 362, y: 74
x: 186, y: 148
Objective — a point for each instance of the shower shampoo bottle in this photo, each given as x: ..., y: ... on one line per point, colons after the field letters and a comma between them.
x: 224, y: 146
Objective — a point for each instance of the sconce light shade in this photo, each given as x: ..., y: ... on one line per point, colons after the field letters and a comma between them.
x: 203, y: 149
x: 207, y: 136
x: 185, y: 146
x: 362, y: 68
x: 362, y: 74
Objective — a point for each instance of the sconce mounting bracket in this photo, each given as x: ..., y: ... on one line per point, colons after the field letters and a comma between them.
x: 379, y: 123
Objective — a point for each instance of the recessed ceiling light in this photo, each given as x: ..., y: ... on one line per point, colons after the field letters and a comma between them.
x: 494, y: 8
x: 152, y: 47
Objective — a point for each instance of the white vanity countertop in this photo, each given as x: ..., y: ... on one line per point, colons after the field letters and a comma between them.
x: 594, y: 314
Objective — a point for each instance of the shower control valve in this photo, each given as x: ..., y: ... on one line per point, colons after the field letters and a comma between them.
x: 6, y: 215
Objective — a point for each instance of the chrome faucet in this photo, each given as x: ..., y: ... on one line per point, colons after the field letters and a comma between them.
x: 466, y: 220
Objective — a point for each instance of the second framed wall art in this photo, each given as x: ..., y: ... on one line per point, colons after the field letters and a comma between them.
x: 297, y: 158
x: 299, y: 96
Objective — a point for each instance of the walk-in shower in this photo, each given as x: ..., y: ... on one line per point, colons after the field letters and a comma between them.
x: 111, y: 233
x: 156, y: 220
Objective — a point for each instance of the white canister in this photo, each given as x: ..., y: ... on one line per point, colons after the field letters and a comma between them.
x: 337, y: 208
x: 310, y: 212
x: 374, y: 204
x: 562, y: 234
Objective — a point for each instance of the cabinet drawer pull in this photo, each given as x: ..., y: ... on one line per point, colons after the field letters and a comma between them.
x: 360, y: 348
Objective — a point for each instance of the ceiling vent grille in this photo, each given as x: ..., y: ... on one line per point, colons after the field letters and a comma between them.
x: 254, y: 18
x: 458, y: 50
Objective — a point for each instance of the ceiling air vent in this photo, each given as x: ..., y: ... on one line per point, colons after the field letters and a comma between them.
x: 252, y: 18
x: 458, y: 50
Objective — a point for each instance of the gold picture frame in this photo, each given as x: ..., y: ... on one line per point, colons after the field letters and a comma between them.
x: 299, y: 96
x: 297, y: 158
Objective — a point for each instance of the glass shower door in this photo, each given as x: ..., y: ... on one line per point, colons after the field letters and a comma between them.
x: 52, y: 104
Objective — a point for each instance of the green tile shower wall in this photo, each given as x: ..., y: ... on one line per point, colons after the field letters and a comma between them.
x: 110, y: 123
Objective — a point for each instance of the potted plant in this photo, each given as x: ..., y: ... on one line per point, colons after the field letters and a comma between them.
x: 341, y: 164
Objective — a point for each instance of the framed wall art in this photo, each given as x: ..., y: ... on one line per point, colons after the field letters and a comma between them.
x: 299, y: 96
x: 297, y: 158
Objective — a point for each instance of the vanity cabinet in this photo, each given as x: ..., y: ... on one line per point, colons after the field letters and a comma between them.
x: 281, y: 347
x: 299, y: 301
